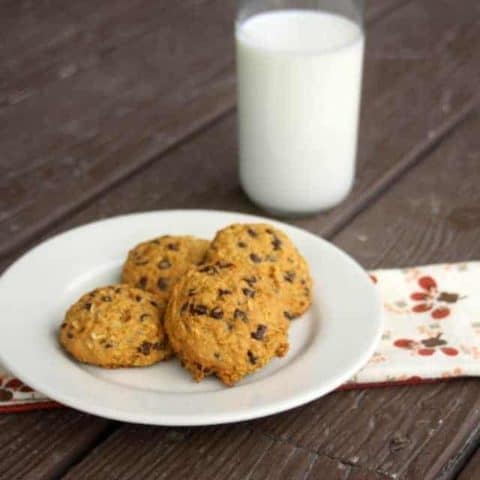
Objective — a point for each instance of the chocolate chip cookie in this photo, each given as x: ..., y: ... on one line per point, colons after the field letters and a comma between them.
x: 223, y: 320
x: 115, y: 326
x: 156, y: 265
x: 271, y: 253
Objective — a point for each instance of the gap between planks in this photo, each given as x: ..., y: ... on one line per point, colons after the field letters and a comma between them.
x: 412, y: 158
x: 97, y: 440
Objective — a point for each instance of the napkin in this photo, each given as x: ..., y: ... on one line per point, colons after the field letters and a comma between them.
x: 431, y: 332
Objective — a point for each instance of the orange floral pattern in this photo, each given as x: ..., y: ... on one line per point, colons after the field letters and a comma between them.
x: 432, y: 324
x: 432, y: 300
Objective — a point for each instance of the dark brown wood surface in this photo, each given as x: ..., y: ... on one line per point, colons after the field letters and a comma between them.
x: 112, y: 108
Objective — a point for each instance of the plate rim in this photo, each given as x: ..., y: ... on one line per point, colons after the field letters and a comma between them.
x: 281, y: 405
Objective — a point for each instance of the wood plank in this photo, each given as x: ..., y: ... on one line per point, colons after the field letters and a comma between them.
x: 204, y: 453
x: 394, y: 133
x: 403, y: 432
x: 42, y: 445
x: 48, y: 41
x: 78, y: 136
x: 431, y: 215
x: 234, y: 452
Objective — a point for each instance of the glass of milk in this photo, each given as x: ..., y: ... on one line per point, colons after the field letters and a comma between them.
x: 299, y: 67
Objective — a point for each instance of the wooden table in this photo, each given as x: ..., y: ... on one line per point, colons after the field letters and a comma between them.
x: 125, y: 106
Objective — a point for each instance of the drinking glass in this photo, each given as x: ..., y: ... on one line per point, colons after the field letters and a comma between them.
x: 299, y: 69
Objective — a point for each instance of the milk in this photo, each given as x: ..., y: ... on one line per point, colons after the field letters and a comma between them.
x: 299, y: 81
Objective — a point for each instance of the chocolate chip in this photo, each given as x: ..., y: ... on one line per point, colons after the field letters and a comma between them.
x: 253, y: 358
x: 108, y: 345
x: 106, y: 298
x: 69, y: 335
x: 162, y: 283
x: 248, y: 292
x: 209, y: 270
x: 198, y: 309
x: 155, y: 304
x: 288, y: 315
x: 63, y: 325
x: 216, y: 355
x: 116, y: 290
x: 250, y: 280
x: 138, y: 298
x: 222, y: 292
x: 240, y: 314
x: 173, y: 246
x: 144, y: 348
x: 269, y: 230
x: 144, y: 316
x: 259, y: 333
x: 184, y: 308
x: 142, y: 282
x: 306, y: 291
x: 191, y: 292
x: 276, y: 243
x: 241, y: 244
x: 164, y: 264
x: 302, y: 281
x: 87, y: 306
x: 217, y: 313
x: 289, y: 276
x: 252, y: 232
x: 255, y: 258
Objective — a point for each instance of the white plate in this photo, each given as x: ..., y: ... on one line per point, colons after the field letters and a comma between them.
x: 327, y: 345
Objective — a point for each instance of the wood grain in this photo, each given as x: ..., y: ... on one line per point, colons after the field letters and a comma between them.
x: 42, y: 445
x: 50, y: 41
x: 112, y: 111
x: 83, y: 134
x: 235, y: 452
x: 394, y: 133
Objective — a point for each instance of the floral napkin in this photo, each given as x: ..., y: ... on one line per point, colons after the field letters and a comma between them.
x: 432, y: 332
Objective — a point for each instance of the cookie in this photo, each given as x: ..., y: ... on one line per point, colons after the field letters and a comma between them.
x: 156, y: 265
x: 223, y: 320
x: 271, y: 253
x: 115, y: 326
